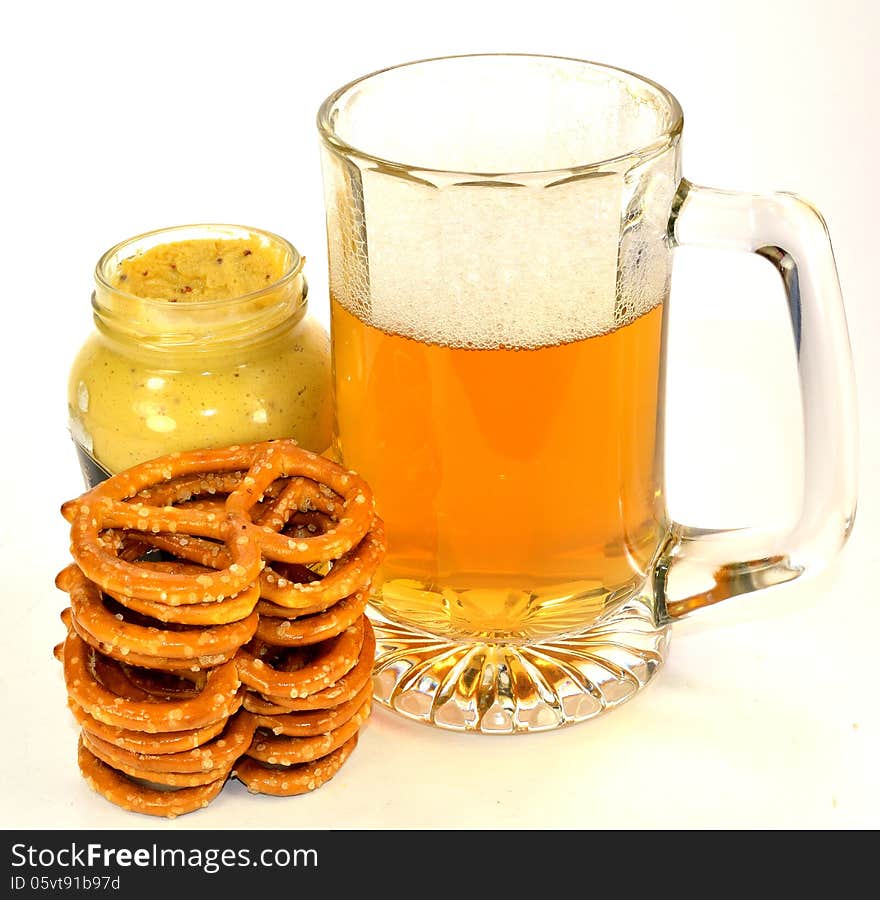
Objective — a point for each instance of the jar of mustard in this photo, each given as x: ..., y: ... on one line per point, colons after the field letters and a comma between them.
x: 202, y: 339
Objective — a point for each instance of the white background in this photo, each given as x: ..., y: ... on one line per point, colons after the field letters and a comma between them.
x: 122, y: 117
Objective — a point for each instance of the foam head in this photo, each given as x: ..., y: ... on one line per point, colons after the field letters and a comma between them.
x: 494, y: 201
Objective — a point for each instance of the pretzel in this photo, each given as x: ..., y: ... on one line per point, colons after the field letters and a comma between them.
x: 336, y: 694
x: 124, y: 792
x: 349, y: 574
x: 161, y: 777
x: 140, y: 741
x: 282, y: 750
x: 131, y: 547
x: 117, y: 635
x: 218, y: 698
x: 298, y: 672
x: 208, y: 581
x: 105, y: 506
x: 132, y: 579
x: 280, y: 460
x: 311, y: 629
x: 287, y: 781
x: 219, y: 753
x: 220, y: 612
x: 313, y: 722
x: 157, y: 663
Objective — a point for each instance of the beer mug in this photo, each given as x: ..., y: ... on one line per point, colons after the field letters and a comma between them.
x: 500, y: 236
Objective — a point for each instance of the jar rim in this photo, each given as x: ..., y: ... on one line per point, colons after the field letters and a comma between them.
x: 177, y: 232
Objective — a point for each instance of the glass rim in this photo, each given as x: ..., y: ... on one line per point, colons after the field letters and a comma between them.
x: 102, y: 275
x: 660, y: 142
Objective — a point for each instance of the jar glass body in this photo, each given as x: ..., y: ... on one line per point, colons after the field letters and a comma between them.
x: 156, y: 377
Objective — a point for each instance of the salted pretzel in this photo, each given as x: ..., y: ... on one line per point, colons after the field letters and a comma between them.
x: 141, y: 741
x: 309, y: 723
x: 311, y: 629
x: 298, y: 672
x: 284, y: 750
x: 110, y: 505
x: 217, y: 624
x: 288, y: 781
x: 336, y: 694
x: 218, y: 698
x: 284, y: 460
x: 116, y: 631
x: 154, y: 801
x: 218, y: 753
x: 297, y: 590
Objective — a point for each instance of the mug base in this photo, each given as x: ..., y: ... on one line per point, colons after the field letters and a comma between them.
x: 492, y: 688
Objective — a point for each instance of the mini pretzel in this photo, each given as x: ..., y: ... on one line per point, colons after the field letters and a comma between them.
x: 158, y: 663
x: 181, y: 610
x: 283, y: 460
x: 124, y: 792
x: 312, y: 629
x: 220, y: 612
x: 116, y: 636
x: 320, y: 721
x: 219, y: 753
x: 287, y: 781
x: 134, y: 580
x: 341, y: 692
x: 218, y: 698
x: 140, y: 741
x: 281, y: 750
x: 348, y: 575
x: 299, y: 672
x: 267, y: 557
x: 104, y: 507
x: 168, y: 779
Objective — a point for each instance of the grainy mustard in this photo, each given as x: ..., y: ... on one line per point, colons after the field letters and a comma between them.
x: 202, y: 339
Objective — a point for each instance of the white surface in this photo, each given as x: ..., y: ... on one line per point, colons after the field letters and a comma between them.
x: 123, y: 117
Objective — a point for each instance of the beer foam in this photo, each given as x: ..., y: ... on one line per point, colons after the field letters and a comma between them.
x: 476, y: 266
x: 553, y: 254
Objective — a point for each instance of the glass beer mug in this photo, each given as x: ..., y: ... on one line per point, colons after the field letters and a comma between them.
x: 500, y: 233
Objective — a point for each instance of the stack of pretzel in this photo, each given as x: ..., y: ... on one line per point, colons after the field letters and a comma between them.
x: 216, y: 625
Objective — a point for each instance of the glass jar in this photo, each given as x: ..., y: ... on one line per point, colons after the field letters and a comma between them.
x: 159, y: 375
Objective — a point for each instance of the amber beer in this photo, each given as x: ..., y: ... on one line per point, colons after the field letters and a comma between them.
x: 521, y: 488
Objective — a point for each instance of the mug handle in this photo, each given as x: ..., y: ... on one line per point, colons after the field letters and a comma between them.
x: 698, y: 567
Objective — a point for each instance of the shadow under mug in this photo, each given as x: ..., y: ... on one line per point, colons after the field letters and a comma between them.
x: 500, y: 233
